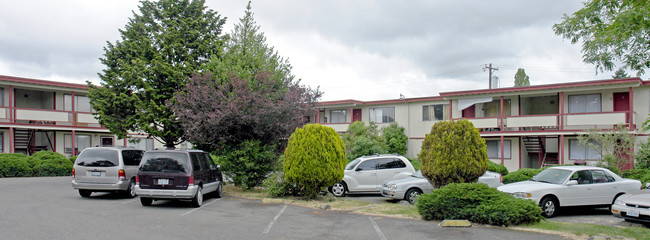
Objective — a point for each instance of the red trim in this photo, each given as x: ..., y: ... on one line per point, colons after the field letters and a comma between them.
x: 11, y: 103
x: 11, y: 140
x: 125, y: 142
x: 451, y: 111
x: 502, y: 153
x: 391, y: 101
x: 561, y: 116
x: 519, y: 150
x: 543, y: 87
x: 631, y: 124
x: 72, y: 149
x: 42, y: 82
x: 561, y: 150
x: 501, y: 115
x: 55, y: 126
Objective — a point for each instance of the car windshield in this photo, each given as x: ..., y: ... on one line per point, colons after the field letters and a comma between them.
x: 352, y: 164
x: 164, y: 162
x: 98, y: 158
x: 552, y: 175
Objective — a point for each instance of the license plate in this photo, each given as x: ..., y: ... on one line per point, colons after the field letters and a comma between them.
x: 95, y: 173
x: 633, y: 213
x: 163, y: 181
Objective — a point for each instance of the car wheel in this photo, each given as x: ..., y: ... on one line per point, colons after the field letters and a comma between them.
x: 549, y: 207
x: 412, y: 195
x: 197, y: 201
x: 339, y: 189
x: 219, y: 192
x: 146, y: 201
x: 84, y: 193
x: 130, y: 191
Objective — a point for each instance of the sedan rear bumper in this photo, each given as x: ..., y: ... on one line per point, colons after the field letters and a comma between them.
x: 189, y: 193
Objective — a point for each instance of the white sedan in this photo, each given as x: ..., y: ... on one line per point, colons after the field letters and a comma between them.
x: 411, y: 187
x: 565, y: 186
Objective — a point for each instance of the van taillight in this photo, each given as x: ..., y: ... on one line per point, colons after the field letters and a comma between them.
x: 137, y: 179
x: 500, y: 178
x: 72, y: 172
x: 121, y: 174
x: 191, y: 180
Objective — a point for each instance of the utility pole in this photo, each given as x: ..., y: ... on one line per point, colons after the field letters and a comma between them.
x: 490, y: 69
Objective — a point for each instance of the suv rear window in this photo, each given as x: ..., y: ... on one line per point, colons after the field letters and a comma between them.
x: 98, y: 158
x: 164, y: 162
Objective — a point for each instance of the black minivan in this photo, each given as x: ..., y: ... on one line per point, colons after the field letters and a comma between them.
x: 177, y: 174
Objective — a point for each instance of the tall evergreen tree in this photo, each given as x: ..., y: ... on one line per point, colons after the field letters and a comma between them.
x: 160, y: 49
x: 521, y: 79
x: 620, y: 73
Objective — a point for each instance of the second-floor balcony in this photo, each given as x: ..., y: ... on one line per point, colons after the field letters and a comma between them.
x: 567, y: 121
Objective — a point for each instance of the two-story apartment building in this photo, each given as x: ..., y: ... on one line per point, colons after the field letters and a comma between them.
x: 524, y: 127
x: 47, y: 115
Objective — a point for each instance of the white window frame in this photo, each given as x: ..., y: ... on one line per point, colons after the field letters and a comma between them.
x: 507, y: 149
x: 428, y: 115
x: 335, y: 116
x: 67, y: 142
x: 67, y: 103
x: 386, y: 114
x: 578, y: 151
x: 580, y: 103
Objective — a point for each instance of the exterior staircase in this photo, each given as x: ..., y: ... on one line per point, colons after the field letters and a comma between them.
x: 536, y: 145
x: 25, y: 141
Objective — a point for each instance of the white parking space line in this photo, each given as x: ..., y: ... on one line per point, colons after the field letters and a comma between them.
x: 206, y: 204
x: 374, y: 224
x: 129, y: 201
x: 268, y: 228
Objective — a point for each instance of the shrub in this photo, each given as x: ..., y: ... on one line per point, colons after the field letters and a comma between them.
x: 314, y: 158
x: 395, y: 138
x: 643, y: 156
x: 15, y: 165
x: 47, y: 163
x: 276, y: 186
x: 497, y: 168
x: 249, y: 163
x: 361, y: 140
x: 642, y: 175
x: 416, y: 163
x: 522, y: 174
x: 453, y: 152
x: 478, y: 203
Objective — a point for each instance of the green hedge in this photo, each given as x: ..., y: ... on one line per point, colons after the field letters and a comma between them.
x: 522, y: 174
x: 497, y: 168
x: 642, y: 175
x: 41, y: 164
x: 478, y: 203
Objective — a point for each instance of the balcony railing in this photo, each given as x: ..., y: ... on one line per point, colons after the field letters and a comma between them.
x: 552, y: 121
x: 48, y: 117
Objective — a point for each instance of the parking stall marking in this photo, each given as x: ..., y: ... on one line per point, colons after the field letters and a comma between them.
x: 268, y: 228
x: 206, y: 204
x: 374, y: 224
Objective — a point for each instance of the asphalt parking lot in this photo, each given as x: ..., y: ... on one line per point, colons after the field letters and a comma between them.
x: 48, y: 208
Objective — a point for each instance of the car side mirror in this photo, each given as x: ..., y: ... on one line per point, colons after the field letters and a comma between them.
x: 358, y: 169
x: 572, y: 182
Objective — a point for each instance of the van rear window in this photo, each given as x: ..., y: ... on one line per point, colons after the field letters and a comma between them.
x: 98, y: 158
x: 164, y: 162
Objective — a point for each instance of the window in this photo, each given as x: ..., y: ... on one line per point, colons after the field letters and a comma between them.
x: 132, y: 157
x: 165, y: 162
x: 196, y: 165
x: 382, y: 115
x: 2, y: 96
x: 600, y: 176
x: 81, y: 142
x: 494, y: 149
x: 337, y: 116
x: 389, y: 163
x: 98, y: 158
x: 435, y: 112
x: 368, y: 165
x: 578, y: 151
x: 584, y: 103
x: 2, y: 143
x: 81, y: 103
x: 140, y: 143
x: 583, y: 177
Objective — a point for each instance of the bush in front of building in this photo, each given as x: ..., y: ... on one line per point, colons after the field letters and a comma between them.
x: 249, y: 163
x: 47, y: 163
x: 642, y: 156
x: 15, y: 165
x: 453, y: 152
x: 497, y: 168
x: 314, y: 159
x: 396, y: 139
x: 522, y: 174
x: 478, y: 203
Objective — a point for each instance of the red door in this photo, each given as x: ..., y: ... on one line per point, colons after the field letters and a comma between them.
x: 469, y: 112
x: 356, y: 115
x: 622, y: 103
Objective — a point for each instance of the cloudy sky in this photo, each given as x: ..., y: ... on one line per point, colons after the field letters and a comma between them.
x: 363, y: 50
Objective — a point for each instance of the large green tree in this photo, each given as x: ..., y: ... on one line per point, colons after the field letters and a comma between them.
x: 521, y: 79
x: 160, y: 49
x: 611, y: 31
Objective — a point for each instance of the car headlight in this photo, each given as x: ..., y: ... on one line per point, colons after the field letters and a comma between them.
x: 392, y: 186
x: 521, y: 195
x: 619, y: 202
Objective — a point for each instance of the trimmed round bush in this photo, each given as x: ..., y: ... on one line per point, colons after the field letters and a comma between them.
x: 497, y: 168
x: 478, y: 203
x: 15, y: 165
x: 454, y: 152
x: 314, y: 159
x: 522, y: 174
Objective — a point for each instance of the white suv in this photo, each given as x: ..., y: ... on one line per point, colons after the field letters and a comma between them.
x: 366, y: 174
